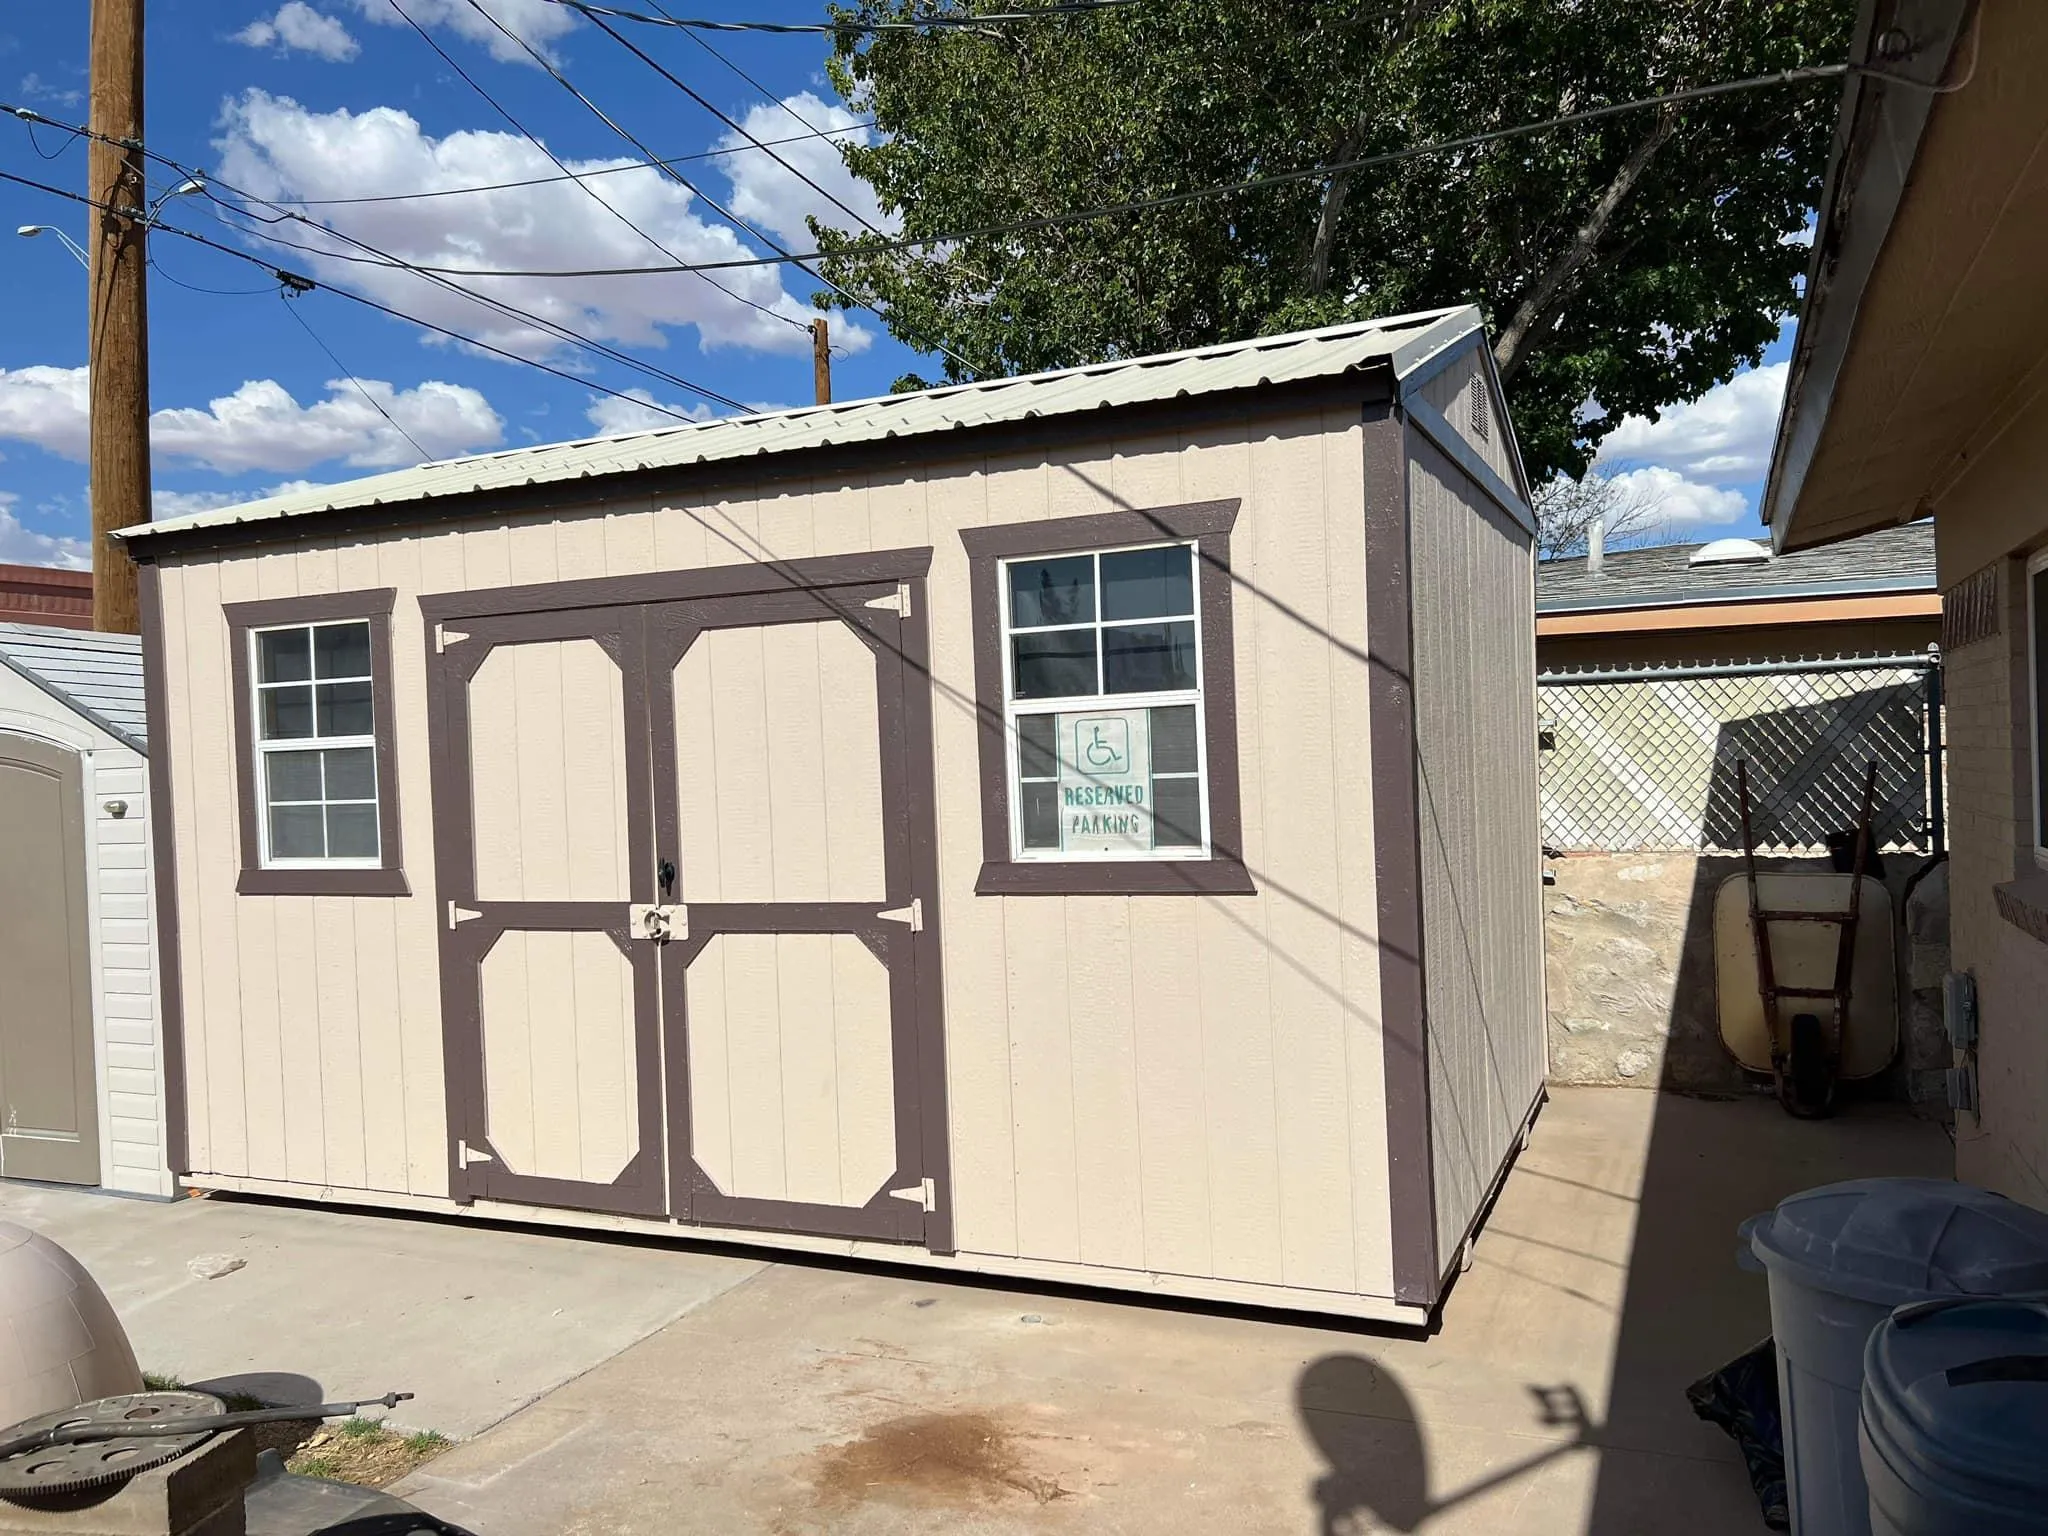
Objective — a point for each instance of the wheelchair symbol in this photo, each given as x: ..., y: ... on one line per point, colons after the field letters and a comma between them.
x: 1103, y: 753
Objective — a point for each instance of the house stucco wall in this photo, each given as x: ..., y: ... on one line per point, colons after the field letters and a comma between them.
x: 1995, y: 515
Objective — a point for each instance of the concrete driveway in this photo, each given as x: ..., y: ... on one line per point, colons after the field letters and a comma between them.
x: 636, y: 1388
x: 326, y: 1303
x: 811, y: 1399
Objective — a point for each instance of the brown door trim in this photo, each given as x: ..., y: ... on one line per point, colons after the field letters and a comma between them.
x: 911, y: 956
x: 638, y: 1189
x: 741, y: 580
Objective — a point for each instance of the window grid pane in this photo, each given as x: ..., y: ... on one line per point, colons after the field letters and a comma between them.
x: 1083, y: 633
x: 313, y: 686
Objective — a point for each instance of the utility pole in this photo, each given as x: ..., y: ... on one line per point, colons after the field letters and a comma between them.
x: 821, y: 359
x: 119, y: 326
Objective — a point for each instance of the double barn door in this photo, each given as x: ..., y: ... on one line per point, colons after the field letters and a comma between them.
x: 688, y: 944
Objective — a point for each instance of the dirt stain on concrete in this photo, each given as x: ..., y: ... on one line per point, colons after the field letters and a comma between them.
x: 949, y: 1459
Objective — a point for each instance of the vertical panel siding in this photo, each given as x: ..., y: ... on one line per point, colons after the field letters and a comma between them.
x: 791, y: 1088
x: 1475, y: 727
x: 126, y: 976
x: 1186, y: 1085
x: 778, y: 757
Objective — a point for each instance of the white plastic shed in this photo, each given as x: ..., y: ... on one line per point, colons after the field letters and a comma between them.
x: 1079, y: 826
x: 81, y: 1086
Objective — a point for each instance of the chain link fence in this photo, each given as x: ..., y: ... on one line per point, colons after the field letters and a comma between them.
x: 1646, y: 759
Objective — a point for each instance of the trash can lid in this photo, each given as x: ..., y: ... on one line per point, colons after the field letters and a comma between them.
x: 1958, y: 1390
x: 1896, y: 1240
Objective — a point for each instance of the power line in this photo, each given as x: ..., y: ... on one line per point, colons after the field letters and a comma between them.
x: 306, y: 285
x: 531, y: 139
x: 831, y: 28
x: 660, y: 69
x: 1219, y: 189
x: 385, y: 259
x: 543, y: 181
x: 706, y: 104
x: 285, y: 295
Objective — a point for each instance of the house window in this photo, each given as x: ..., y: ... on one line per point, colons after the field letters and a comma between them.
x: 316, y: 779
x: 2037, y: 675
x: 1104, y: 684
x: 1104, y: 704
x: 316, y: 747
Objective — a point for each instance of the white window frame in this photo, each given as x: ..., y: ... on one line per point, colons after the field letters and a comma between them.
x: 1015, y: 708
x: 2037, y: 675
x: 263, y: 748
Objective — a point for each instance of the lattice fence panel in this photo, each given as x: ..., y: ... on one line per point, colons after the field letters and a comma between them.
x: 1648, y: 762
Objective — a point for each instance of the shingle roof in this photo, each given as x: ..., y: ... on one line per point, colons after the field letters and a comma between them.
x: 1399, y: 343
x: 98, y: 675
x: 1889, y: 560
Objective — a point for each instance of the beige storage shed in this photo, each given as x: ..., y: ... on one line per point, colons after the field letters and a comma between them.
x: 1080, y: 826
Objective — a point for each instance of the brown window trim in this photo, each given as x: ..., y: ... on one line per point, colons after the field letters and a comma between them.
x: 374, y: 605
x: 1207, y: 524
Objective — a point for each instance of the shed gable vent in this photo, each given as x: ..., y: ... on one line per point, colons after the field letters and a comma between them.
x: 1476, y: 406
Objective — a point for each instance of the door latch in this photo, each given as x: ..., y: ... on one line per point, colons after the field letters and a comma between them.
x: 659, y: 923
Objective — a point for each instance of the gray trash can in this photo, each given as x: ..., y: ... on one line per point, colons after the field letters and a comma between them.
x: 1955, y: 1420
x: 1840, y: 1258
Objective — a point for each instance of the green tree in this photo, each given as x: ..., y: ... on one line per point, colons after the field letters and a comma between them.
x: 1623, y: 264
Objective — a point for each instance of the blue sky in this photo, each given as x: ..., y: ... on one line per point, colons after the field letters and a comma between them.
x: 327, y: 99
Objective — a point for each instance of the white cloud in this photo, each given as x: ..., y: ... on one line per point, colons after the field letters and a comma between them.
x: 610, y: 416
x: 24, y: 546
x: 1724, y: 435
x: 538, y: 21
x: 260, y: 425
x: 165, y: 504
x: 298, y: 26
x: 774, y: 196
x: 35, y: 88
x: 45, y: 406
x: 1677, y: 503
x: 278, y: 149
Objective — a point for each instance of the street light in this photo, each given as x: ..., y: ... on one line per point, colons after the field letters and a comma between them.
x: 30, y: 231
x: 189, y: 187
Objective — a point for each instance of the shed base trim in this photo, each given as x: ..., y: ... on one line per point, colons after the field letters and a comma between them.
x: 1378, y: 1309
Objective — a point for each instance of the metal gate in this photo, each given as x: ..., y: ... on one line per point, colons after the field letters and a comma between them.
x: 688, y: 863
x: 1644, y: 759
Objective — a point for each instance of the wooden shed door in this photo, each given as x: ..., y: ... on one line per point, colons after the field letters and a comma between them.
x: 784, y: 735
x: 49, y: 1123
x: 689, y: 959
x: 550, y: 995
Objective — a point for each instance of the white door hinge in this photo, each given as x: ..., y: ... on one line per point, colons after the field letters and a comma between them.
x: 445, y: 637
x: 465, y: 1154
x: 900, y: 602
x: 458, y: 914
x: 925, y: 1194
x: 912, y: 914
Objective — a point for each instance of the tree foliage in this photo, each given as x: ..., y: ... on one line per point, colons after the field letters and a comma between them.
x: 1623, y: 264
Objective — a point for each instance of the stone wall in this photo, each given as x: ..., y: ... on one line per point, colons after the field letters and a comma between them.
x: 1630, y: 973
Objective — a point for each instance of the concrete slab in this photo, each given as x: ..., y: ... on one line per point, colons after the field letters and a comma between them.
x: 815, y: 1399
x: 478, y: 1321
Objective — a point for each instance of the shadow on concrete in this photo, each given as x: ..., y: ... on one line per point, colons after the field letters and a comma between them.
x: 1360, y: 1420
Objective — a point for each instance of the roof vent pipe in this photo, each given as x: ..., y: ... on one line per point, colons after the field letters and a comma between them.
x: 1596, y: 543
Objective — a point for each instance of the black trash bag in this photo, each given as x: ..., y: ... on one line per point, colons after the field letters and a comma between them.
x: 1742, y: 1398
